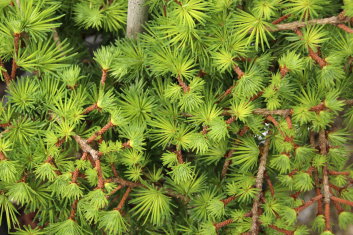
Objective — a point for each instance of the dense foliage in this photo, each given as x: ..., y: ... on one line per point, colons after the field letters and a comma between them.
x: 219, y: 118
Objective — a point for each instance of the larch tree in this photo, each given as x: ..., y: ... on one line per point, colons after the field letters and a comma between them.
x: 192, y: 117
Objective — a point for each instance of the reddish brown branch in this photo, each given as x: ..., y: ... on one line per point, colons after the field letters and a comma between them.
x: 238, y: 71
x: 345, y: 28
x: 223, y: 223
x: 280, y: 19
x: 123, y: 199
x: 338, y: 172
x: 90, y: 108
x: 100, y: 132
x: 226, y: 163
x: 73, y: 210
x: 2, y: 156
x: 5, y: 124
x: 318, y: 192
x: 322, y: 62
x: 231, y: 120
x: 308, y: 203
x: 259, y: 183
x: 342, y: 201
x: 227, y: 92
x: 183, y: 85
x: 282, y: 230
x: 16, y: 46
x: 270, y: 185
x: 104, y: 76
x: 179, y: 156
x: 178, y: 2
x: 283, y: 71
x: 228, y: 200
x: 100, y: 174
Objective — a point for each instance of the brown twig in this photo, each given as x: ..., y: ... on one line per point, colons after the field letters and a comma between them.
x: 178, y: 2
x: 308, y: 203
x: 16, y: 46
x: 228, y: 200
x: 265, y: 112
x: 104, y: 76
x: 338, y: 172
x: 86, y: 148
x: 259, y: 183
x: 326, y: 186
x: 345, y: 28
x: 2, y: 156
x: 342, y: 201
x: 238, y: 71
x: 73, y: 210
x: 123, y: 199
x: 226, y: 163
x: 299, y: 24
x: 100, y: 132
x: 270, y: 185
x: 280, y: 19
x: 90, y: 108
x: 282, y: 230
x: 100, y: 174
x: 179, y: 156
x: 183, y: 85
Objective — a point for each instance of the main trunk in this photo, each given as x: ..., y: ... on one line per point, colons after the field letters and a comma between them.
x: 136, y: 16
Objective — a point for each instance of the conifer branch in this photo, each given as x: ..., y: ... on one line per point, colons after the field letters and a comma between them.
x: 342, y: 201
x: 73, y: 210
x: 223, y: 223
x: 308, y: 203
x: 318, y: 192
x: 228, y: 200
x: 2, y: 125
x: 258, y: 185
x: 338, y: 172
x: 100, y: 132
x: 114, y: 191
x: 345, y: 28
x: 104, y: 76
x: 338, y: 207
x: 178, y: 2
x: 284, y: 231
x: 326, y: 187
x: 16, y: 46
x: 123, y: 199
x: 226, y: 163
x: 183, y: 85
x: 228, y: 221
x: 280, y: 19
x: 90, y: 108
x: 299, y: 24
x: 179, y: 156
x: 86, y: 148
x: 265, y: 112
x: 269, y: 183
x: 238, y: 71
x: 100, y: 174
x: 2, y: 156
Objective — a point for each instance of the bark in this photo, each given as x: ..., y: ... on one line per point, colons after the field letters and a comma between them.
x: 259, y: 183
x: 136, y: 16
